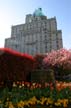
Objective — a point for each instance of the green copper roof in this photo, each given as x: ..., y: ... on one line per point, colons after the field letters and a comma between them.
x: 38, y: 12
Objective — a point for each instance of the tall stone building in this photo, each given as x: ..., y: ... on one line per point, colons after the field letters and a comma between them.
x: 39, y: 34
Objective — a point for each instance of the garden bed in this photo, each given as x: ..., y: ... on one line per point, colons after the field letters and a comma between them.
x: 35, y: 95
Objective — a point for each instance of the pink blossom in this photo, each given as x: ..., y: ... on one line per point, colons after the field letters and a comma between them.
x: 58, y: 58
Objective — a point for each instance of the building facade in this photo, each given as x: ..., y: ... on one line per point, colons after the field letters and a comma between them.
x: 38, y: 35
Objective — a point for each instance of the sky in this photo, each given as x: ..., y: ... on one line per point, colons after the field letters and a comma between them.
x: 13, y: 12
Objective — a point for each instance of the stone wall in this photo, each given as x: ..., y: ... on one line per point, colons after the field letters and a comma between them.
x: 41, y: 76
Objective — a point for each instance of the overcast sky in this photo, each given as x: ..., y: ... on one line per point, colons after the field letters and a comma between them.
x: 13, y: 12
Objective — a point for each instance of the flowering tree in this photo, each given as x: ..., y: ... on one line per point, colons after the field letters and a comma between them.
x: 59, y: 60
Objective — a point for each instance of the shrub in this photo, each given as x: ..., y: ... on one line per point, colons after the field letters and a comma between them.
x: 15, y: 66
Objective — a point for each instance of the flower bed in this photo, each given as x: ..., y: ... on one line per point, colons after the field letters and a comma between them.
x: 34, y: 95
